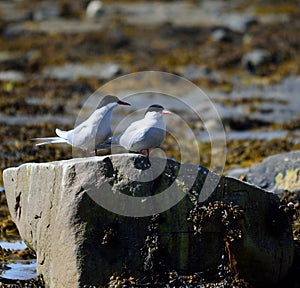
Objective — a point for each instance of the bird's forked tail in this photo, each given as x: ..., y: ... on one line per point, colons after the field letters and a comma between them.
x: 49, y: 140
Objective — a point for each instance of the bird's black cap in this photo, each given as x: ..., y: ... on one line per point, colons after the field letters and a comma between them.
x: 111, y: 99
x: 155, y: 108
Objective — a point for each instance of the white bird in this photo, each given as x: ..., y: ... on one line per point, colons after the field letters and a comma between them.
x: 90, y: 133
x: 144, y: 134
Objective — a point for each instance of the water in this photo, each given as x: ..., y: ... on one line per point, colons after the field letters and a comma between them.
x: 21, y: 270
x: 18, y: 269
x: 243, y: 135
x: 18, y: 245
x: 74, y: 71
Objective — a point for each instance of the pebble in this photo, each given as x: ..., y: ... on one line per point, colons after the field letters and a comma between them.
x: 46, y: 10
x: 238, y: 22
x: 194, y: 72
x: 94, y: 10
x: 219, y: 35
x: 252, y: 60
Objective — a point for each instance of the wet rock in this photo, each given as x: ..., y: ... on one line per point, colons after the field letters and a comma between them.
x: 79, y: 242
x: 94, y: 10
x: 14, y: 31
x: 47, y: 10
x: 6, y: 56
x: 277, y: 173
x: 12, y: 76
x: 53, y: 25
x: 194, y: 72
x: 77, y: 70
x: 12, y: 61
x: 245, y: 123
x: 11, y: 13
x: 255, y: 105
x: 220, y: 35
x: 253, y: 60
x: 238, y: 22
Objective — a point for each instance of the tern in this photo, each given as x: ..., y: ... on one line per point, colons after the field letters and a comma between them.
x: 90, y: 133
x: 143, y: 134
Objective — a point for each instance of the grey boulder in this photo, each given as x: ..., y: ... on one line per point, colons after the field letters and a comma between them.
x: 86, y: 218
x: 277, y: 173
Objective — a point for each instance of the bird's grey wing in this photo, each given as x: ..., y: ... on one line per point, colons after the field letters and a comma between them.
x: 146, y: 138
x: 91, y: 131
x: 82, y: 135
x: 111, y: 141
x: 124, y: 139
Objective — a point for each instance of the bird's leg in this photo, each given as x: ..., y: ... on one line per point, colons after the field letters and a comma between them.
x: 147, y: 152
x: 95, y: 151
x: 88, y: 153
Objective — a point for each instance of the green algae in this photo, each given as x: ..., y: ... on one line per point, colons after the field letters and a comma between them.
x: 288, y: 182
x: 281, y: 8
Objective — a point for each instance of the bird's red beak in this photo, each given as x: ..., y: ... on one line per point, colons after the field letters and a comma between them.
x: 123, y: 103
x: 166, y: 112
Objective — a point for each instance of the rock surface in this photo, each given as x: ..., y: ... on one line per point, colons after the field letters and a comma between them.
x: 277, y: 173
x: 77, y: 70
x: 78, y: 242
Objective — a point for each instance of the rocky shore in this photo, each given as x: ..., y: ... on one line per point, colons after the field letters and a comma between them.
x: 244, y: 55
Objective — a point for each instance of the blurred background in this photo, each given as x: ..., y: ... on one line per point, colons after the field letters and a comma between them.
x: 243, y: 54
